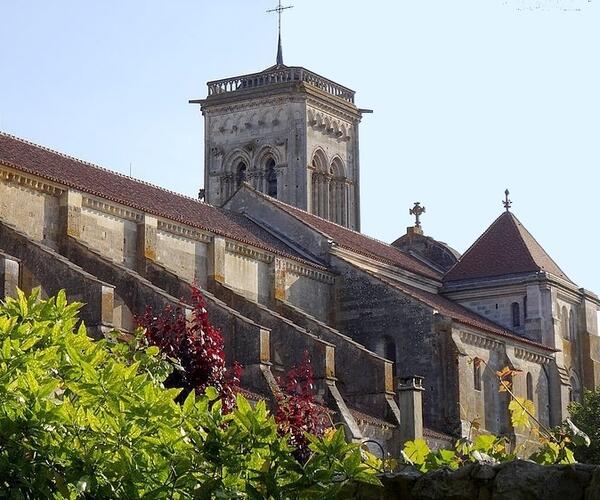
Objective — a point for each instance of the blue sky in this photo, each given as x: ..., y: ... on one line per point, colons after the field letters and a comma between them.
x: 469, y: 97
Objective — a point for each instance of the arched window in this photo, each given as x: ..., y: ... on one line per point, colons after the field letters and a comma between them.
x: 529, y: 387
x: 389, y: 351
x: 477, y: 374
x: 572, y: 325
x: 516, y: 314
x: 271, y: 178
x: 338, y: 193
x: 240, y: 173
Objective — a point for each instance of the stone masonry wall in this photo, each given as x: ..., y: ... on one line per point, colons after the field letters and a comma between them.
x: 518, y: 480
x: 370, y: 312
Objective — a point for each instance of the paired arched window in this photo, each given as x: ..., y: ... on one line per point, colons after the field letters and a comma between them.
x: 477, y: 374
x: 330, y: 188
x: 516, y: 314
x: 529, y: 387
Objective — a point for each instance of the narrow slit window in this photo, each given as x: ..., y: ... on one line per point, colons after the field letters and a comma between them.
x: 529, y: 387
x: 477, y: 374
x: 516, y: 314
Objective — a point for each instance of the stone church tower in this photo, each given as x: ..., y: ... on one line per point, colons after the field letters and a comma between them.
x: 288, y: 132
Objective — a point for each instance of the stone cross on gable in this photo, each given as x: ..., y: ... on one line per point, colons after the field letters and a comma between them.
x: 417, y: 211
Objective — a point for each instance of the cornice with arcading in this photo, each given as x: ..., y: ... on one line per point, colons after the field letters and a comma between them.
x: 256, y: 103
x: 534, y: 357
x: 31, y: 182
x: 307, y: 272
x: 183, y: 231
x: 113, y: 209
x: 319, y: 105
x: 476, y: 340
x: 249, y: 252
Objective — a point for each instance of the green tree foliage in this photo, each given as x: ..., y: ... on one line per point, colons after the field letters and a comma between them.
x: 82, y: 418
x: 586, y: 416
x: 555, y: 445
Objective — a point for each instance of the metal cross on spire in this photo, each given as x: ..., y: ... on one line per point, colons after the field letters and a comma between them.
x: 507, y: 203
x: 279, y: 9
x: 417, y: 211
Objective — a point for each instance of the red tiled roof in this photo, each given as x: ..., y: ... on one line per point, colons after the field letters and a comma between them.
x: 505, y: 248
x: 370, y: 419
x: 358, y: 242
x: 458, y: 313
x: 88, y: 178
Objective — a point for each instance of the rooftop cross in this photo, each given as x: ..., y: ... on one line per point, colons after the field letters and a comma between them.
x: 279, y: 9
x: 417, y: 211
x: 507, y: 203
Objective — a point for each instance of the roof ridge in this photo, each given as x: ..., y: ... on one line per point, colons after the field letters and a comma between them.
x: 474, y: 244
x: 521, y: 228
x: 98, y: 167
x: 364, y: 235
x: 516, y: 223
x: 503, y: 331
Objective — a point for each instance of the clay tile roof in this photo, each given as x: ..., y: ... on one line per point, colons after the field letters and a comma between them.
x: 505, y: 248
x: 358, y: 242
x: 92, y: 179
x: 458, y: 313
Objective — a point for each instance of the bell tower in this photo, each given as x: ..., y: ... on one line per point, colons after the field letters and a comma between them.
x: 291, y: 134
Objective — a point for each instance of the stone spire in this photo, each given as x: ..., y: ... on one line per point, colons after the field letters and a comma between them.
x: 279, y: 9
x: 279, y: 52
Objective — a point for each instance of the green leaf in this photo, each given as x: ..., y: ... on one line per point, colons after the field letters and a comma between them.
x: 416, y: 451
x: 189, y: 402
x: 484, y: 442
x: 6, y: 348
x: 211, y: 393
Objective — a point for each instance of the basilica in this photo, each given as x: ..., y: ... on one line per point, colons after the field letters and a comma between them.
x: 405, y: 338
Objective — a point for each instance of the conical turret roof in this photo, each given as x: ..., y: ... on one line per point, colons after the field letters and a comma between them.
x: 505, y: 248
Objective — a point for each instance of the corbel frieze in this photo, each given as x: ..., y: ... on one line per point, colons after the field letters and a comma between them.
x: 112, y: 209
x: 186, y: 232
x: 248, y: 252
x: 300, y: 270
x: 534, y: 357
x: 476, y: 340
x: 31, y: 182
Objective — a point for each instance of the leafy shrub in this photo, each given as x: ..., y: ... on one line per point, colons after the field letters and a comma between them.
x: 83, y: 418
x: 195, y: 348
x: 586, y: 416
x: 298, y: 414
x: 555, y: 445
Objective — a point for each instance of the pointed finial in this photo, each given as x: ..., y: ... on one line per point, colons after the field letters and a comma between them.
x: 507, y: 203
x: 279, y: 52
x: 279, y: 9
x: 417, y: 211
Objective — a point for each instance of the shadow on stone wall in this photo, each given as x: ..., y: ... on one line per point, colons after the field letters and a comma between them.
x: 518, y: 480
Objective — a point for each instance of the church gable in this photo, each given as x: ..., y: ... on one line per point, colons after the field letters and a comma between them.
x: 326, y: 232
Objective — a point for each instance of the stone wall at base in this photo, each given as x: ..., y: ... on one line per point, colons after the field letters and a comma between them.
x: 517, y: 480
